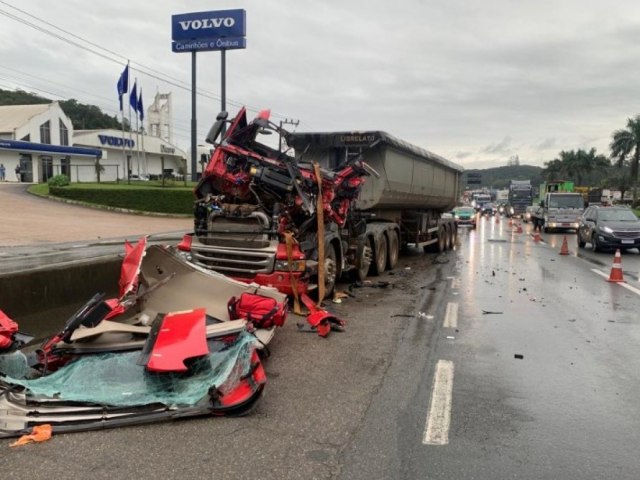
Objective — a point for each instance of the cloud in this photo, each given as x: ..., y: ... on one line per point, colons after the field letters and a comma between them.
x: 500, y: 147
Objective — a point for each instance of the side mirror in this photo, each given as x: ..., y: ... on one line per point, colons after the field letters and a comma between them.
x: 215, y: 130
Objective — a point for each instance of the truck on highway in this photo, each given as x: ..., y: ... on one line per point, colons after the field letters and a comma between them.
x: 559, y: 207
x: 346, y: 200
x: 520, y: 197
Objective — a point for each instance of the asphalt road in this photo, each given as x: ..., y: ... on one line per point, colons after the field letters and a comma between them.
x: 536, y: 361
x: 32, y: 221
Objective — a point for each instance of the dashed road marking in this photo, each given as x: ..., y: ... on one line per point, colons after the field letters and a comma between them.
x: 451, y: 316
x: 622, y: 284
x: 436, y: 430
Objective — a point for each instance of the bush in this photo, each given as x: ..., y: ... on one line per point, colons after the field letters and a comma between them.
x: 59, y: 181
x: 146, y: 199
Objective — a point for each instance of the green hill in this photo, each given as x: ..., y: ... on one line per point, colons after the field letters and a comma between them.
x: 83, y: 117
x: 499, y: 177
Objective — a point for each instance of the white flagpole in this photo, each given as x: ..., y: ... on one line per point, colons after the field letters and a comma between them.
x: 144, y: 154
x: 124, y: 153
x: 130, y: 139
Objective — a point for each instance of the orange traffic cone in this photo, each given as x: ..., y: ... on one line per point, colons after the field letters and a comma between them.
x: 536, y: 236
x: 616, y: 269
x: 497, y: 218
x: 518, y: 228
x: 564, y: 250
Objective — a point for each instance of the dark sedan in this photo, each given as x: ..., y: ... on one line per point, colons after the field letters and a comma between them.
x: 608, y: 228
x: 465, y: 216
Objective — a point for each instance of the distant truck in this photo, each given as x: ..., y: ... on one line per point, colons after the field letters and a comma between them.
x: 560, y: 207
x: 480, y: 200
x: 520, y: 197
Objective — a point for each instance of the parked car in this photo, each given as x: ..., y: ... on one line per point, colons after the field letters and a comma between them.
x: 465, y: 216
x: 609, y: 227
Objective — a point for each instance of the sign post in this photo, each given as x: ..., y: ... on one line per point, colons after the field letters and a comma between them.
x: 207, y: 31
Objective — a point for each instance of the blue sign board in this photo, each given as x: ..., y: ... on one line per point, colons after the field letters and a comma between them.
x: 208, y: 25
x: 222, y: 43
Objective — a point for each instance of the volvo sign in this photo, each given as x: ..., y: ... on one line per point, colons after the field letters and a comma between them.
x: 204, y: 30
x: 220, y: 30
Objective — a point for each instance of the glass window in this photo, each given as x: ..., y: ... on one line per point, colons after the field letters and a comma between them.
x: 64, y: 133
x: 26, y: 138
x: 45, y: 132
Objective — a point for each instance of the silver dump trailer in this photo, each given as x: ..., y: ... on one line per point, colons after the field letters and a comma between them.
x: 406, y: 204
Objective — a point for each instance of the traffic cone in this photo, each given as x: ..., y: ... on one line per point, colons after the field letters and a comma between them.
x: 616, y: 269
x: 564, y: 250
x: 497, y: 218
x: 510, y: 222
x: 536, y: 236
x: 518, y: 228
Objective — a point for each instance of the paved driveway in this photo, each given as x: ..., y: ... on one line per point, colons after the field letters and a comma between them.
x: 29, y: 220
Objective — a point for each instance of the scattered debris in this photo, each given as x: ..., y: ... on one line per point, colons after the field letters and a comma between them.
x: 487, y: 312
x: 402, y: 315
x: 519, y: 356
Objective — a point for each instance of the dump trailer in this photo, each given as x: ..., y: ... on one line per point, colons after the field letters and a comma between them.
x: 348, y: 201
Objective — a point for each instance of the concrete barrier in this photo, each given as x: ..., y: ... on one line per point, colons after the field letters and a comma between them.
x: 26, y: 293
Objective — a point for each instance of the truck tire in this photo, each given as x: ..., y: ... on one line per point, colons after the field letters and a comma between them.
x: 451, y: 236
x: 442, y: 239
x: 330, y: 270
x: 330, y: 273
x: 380, y: 263
x: 363, y: 264
x: 394, y: 250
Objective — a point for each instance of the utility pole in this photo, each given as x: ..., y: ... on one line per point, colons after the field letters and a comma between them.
x: 286, y: 121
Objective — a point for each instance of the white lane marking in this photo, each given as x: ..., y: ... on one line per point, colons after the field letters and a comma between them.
x: 436, y: 430
x: 451, y: 316
x: 622, y: 284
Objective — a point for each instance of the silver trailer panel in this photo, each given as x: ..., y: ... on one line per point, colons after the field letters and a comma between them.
x: 410, y: 177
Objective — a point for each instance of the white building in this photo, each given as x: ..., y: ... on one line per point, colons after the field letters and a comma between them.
x: 36, y: 138
x: 148, y: 156
x: 40, y: 139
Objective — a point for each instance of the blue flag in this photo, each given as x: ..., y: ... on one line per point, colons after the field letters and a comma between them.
x: 123, y: 84
x: 140, y: 107
x: 133, y: 98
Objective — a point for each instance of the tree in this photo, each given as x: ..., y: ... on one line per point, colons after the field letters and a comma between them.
x: 576, y: 166
x: 627, y: 142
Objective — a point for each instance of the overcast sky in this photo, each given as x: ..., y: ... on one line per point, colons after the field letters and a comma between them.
x: 474, y: 81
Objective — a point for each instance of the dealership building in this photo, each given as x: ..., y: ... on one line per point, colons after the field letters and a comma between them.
x: 38, y: 142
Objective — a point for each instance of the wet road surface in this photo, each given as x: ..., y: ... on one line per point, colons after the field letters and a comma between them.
x: 536, y: 357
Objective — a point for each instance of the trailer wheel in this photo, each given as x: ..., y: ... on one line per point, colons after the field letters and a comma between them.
x: 394, y: 250
x: 381, y: 257
x: 454, y: 236
x: 442, y: 239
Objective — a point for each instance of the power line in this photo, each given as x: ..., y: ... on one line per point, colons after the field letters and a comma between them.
x: 145, y: 70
